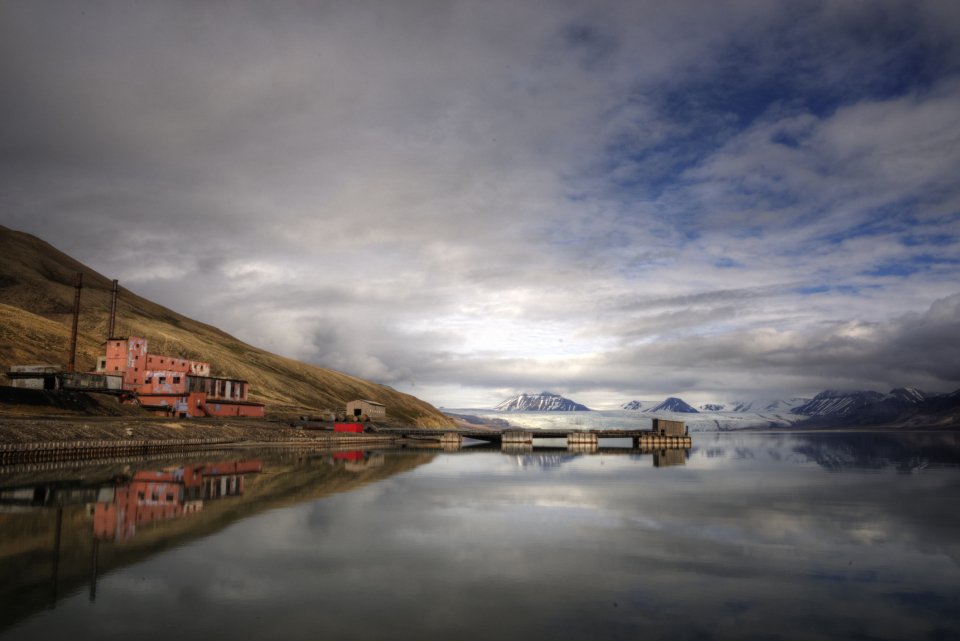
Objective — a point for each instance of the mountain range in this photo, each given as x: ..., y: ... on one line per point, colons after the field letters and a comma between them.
x: 674, y: 404
x: 901, y: 407
x: 36, y: 302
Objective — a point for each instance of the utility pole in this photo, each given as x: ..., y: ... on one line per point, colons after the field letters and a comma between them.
x: 71, y: 366
x: 113, y: 311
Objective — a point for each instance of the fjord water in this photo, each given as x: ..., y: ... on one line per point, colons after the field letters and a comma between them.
x: 791, y: 536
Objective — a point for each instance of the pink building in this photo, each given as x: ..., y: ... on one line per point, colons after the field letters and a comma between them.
x: 171, y: 385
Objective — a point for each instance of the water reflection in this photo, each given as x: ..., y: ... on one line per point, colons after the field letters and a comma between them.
x: 62, y: 529
x: 746, y: 536
x: 171, y: 493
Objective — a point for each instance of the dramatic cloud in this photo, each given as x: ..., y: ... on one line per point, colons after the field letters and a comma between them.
x: 469, y: 199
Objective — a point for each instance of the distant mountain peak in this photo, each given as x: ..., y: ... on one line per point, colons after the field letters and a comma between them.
x: 767, y: 404
x: 712, y: 407
x: 837, y: 402
x: 542, y: 402
x: 632, y: 405
x: 908, y: 394
x: 673, y: 404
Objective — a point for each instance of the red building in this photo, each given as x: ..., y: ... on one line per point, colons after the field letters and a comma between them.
x: 171, y: 385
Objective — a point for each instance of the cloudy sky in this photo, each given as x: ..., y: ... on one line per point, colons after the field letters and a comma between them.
x: 465, y: 200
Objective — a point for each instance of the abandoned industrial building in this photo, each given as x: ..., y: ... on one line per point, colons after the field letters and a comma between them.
x: 174, y: 385
x: 165, y: 385
x: 371, y: 409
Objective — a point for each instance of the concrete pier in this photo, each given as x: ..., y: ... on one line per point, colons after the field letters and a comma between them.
x: 514, y: 437
x: 582, y: 442
x: 577, y: 440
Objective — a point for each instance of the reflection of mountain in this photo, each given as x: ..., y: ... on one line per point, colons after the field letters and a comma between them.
x: 544, y: 460
x: 873, y: 451
x: 837, y: 451
x: 34, y: 517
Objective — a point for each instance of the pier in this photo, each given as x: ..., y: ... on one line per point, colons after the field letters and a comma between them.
x: 519, y: 439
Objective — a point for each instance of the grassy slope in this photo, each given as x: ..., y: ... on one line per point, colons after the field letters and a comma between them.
x: 36, y: 302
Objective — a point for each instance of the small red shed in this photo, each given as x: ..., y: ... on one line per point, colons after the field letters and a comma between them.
x: 356, y: 428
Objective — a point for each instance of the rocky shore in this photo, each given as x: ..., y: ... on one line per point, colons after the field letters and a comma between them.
x: 45, y: 429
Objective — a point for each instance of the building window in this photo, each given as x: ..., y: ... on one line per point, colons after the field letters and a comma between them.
x: 148, y: 379
x: 162, y: 380
x: 176, y: 379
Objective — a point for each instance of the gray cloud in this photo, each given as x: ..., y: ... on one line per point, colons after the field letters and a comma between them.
x: 611, y: 198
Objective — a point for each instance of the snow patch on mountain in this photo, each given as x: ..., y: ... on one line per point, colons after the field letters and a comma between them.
x: 837, y: 402
x: 908, y: 394
x: 767, y: 404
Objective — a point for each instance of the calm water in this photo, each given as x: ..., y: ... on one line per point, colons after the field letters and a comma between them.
x: 746, y: 536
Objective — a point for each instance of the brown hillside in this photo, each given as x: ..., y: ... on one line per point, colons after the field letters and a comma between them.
x: 36, y: 302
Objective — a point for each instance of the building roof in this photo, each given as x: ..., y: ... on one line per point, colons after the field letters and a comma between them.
x: 361, y: 400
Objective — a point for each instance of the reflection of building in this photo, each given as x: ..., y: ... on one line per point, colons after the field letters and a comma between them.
x: 167, y: 494
x: 174, y: 385
x: 666, y: 458
x: 358, y: 460
x: 367, y: 408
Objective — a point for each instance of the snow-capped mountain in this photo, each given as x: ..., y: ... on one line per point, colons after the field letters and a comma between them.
x: 712, y: 407
x: 904, y: 406
x: 908, y: 394
x: 838, y: 403
x: 542, y: 402
x: 767, y: 404
x: 632, y: 405
x: 673, y: 404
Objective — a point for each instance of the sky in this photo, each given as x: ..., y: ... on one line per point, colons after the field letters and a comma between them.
x: 716, y: 200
